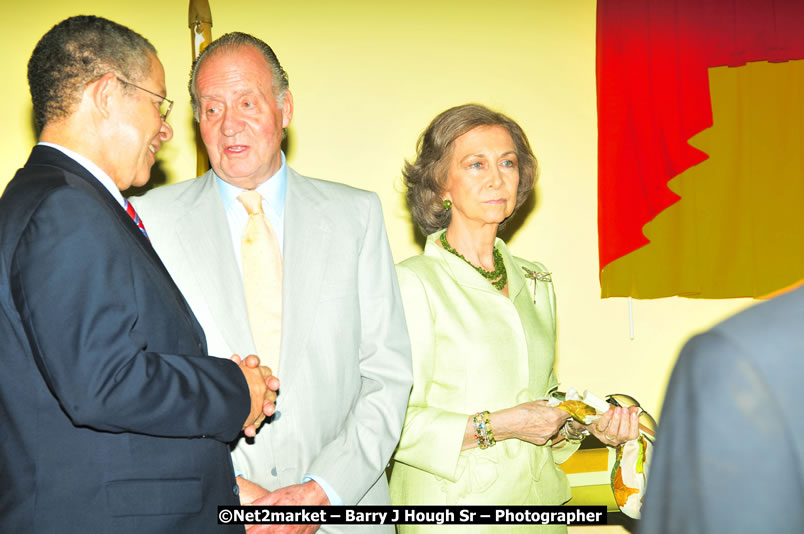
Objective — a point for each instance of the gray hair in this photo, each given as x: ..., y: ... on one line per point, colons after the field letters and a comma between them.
x: 77, y: 51
x: 233, y: 41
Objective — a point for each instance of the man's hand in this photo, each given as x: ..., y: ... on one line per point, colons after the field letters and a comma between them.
x: 262, y: 386
x: 249, y: 491
x: 305, y: 494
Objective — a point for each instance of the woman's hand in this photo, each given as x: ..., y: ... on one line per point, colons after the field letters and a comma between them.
x: 534, y: 422
x: 616, y: 426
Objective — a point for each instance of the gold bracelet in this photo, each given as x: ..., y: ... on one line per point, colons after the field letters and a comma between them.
x: 483, y: 432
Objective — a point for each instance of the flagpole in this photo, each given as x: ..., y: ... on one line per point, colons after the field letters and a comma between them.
x: 200, y: 21
x: 631, y: 318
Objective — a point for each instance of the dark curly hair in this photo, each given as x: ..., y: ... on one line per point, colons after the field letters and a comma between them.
x: 75, y: 52
x: 233, y: 41
x: 426, y: 177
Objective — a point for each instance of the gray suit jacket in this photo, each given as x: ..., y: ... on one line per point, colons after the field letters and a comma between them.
x: 345, y: 358
x: 730, y: 450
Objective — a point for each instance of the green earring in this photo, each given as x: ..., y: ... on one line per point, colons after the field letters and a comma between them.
x: 446, y: 204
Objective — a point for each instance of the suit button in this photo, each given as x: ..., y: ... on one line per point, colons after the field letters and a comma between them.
x: 236, y: 489
x: 273, y: 470
x: 277, y: 415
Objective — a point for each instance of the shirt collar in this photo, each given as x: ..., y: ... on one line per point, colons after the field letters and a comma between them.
x: 273, y: 190
x: 93, y: 169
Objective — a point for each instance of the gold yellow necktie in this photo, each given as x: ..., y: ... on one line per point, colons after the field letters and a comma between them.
x: 262, y: 280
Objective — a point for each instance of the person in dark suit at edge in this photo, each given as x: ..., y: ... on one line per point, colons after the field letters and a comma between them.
x: 730, y: 449
x: 112, y: 415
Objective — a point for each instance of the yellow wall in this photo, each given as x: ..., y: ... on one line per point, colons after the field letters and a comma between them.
x: 367, y: 77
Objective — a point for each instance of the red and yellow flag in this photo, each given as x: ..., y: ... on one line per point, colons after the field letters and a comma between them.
x: 700, y: 121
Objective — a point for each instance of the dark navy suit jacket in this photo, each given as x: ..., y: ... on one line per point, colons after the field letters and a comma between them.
x: 113, y: 418
x: 729, y: 455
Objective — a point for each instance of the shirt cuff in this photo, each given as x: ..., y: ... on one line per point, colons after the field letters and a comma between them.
x: 332, y: 495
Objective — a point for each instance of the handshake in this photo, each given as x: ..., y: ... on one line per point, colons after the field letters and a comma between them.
x: 262, y: 386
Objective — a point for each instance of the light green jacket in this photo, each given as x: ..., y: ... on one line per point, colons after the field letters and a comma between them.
x: 474, y: 349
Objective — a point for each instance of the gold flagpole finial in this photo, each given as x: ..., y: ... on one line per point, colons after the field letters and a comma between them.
x: 199, y: 13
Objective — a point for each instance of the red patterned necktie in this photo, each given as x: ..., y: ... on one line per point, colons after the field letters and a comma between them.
x: 136, y: 218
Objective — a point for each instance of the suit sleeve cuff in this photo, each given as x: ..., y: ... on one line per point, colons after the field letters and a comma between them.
x: 332, y: 495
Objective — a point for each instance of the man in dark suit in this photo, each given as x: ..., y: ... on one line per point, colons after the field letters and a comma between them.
x: 730, y: 449
x: 112, y: 416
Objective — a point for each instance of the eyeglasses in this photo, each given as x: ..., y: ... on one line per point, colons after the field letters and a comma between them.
x: 646, y: 422
x: 164, y: 107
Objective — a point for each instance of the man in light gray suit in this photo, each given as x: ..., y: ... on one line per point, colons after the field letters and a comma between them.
x: 344, y: 363
x: 730, y: 451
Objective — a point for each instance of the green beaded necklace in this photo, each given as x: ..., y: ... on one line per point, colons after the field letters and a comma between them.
x: 499, y: 273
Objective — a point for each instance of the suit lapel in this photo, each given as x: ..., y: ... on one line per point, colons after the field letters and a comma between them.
x: 80, y: 177
x: 306, y: 253
x: 468, y: 277
x: 516, y: 276
x: 203, y: 232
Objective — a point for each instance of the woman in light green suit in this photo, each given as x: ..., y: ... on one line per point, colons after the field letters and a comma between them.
x: 482, y: 328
